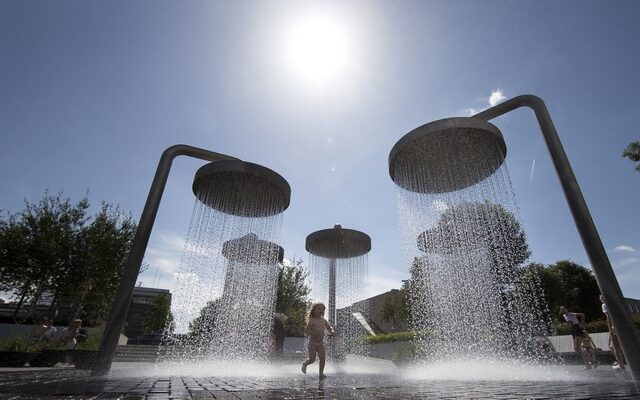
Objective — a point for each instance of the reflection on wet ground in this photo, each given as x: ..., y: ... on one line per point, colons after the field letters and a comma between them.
x: 69, y: 383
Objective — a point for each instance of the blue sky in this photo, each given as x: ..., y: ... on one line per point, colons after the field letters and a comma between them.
x: 91, y: 93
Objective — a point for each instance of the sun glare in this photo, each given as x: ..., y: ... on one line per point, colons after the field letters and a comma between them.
x: 317, y: 49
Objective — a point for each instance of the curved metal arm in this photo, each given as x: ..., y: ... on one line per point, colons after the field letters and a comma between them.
x: 618, y: 311
x: 134, y: 261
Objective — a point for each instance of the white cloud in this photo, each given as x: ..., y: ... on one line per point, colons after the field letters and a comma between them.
x: 623, y: 248
x: 471, y: 111
x: 496, y: 97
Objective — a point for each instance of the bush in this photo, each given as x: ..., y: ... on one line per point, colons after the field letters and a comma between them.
x: 596, y: 326
x: 390, y: 337
x: 19, y: 343
x: 405, y: 354
x: 92, y: 342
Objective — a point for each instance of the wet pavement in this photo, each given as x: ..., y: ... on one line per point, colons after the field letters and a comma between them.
x: 68, y: 383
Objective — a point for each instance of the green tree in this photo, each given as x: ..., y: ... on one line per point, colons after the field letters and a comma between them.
x: 291, y: 299
x: 462, y: 231
x: 472, y: 226
x: 53, y: 246
x: 572, y: 285
x: 158, y: 317
x: 395, y: 309
x: 37, y: 247
x: 632, y: 152
x: 473, y: 223
x: 202, y: 327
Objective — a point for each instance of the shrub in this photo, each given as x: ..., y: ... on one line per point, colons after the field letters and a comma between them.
x: 390, y: 337
x: 596, y: 326
x: 92, y: 342
x: 405, y: 354
x: 18, y: 343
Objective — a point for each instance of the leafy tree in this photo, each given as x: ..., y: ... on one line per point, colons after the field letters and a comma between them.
x: 102, y: 250
x: 158, y: 316
x: 202, y: 327
x: 395, y: 308
x: 53, y: 246
x: 463, y: 232
x: 291, y: 299
x: 572, y: 285
x: 37, y: 246
x: 472, y: 223
x: 632, y: 152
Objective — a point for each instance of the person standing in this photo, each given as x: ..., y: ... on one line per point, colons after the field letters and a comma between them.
x: 575, y: 321
x: 614, y: 343
x: 67, y: 337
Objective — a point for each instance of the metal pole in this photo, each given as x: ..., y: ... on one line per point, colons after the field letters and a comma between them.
x: 618, y: 311
x: 332, y: 292
x: 131, y: 270
x: 332, y: 303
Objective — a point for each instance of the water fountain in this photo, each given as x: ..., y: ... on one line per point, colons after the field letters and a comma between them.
x: 225, y: 296
x: 462, y: 157
x: 468, y: 297
x: 338, y: 277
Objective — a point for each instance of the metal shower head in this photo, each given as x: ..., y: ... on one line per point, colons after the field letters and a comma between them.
x: 338, y: 243
x: 241, y: 188
x: 250, y: 246
x: 422, y: 161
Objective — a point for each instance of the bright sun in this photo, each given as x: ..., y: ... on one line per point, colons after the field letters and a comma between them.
x: 317, y: 49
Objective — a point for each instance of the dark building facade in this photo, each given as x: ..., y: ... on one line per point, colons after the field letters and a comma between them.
x: 634, y: 305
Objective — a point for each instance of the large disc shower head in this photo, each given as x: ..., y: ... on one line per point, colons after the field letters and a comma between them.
x: 338, y: 243
x: 446, y: 155
x: 250, y: 246
x: 241, y: 188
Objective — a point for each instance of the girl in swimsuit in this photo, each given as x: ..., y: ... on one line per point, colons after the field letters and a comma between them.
x: 316, y: 325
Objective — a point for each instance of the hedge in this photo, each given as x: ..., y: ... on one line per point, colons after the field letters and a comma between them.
x: 593, y: 326
x: 390, y: 337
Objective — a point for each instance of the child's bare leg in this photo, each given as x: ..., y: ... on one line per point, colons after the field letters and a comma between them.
x: 321, y: 356
x: 617, y: 350
x: 576, y: 345
x: 310, y: 359
x: 594, y: 358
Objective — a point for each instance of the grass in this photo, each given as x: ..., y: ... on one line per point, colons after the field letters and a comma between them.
x: 19, y: 343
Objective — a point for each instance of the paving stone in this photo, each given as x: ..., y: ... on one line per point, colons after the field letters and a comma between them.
x: 58, y: 384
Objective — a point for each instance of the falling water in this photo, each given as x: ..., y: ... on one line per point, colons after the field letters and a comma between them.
x: 226, y: 285
x: 469, y: 296
x: 350, y: 304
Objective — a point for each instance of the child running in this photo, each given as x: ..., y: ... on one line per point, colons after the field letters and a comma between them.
x: 316, y: 325
x: 588, y: 351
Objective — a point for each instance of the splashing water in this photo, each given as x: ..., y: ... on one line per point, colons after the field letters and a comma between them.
x: 350, y: 308
x: 226, y: 286
x: 470, y: 298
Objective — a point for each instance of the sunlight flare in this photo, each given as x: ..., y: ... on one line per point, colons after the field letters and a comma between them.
x: 317, y: 49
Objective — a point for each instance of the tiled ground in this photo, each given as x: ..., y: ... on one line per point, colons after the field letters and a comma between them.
x: 68, y: 383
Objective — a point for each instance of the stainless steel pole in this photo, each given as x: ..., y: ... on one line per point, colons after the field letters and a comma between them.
x: 132, y: 267
x: 606, y: 278
x: 332, y: 304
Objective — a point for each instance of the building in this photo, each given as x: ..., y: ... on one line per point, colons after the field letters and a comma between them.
x: 375, y: 306
x: 371, y: 312
x: 634, y: 306
x: 140, y: 302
